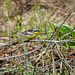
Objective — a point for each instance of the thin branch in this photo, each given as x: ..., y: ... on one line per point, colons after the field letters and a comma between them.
x: 61, y: 57
x: 68, y: 33
x: 66, y: 18
x: 49, y: 41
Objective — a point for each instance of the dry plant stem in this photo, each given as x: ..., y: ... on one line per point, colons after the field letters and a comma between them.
x: 16, y: 69
x: 67, y: 17
x: 61, y: 57
x: 62, y: 41
x: 40, y: 56
x: 54, y: 70
x: 52, y: 41
x: 43, y: 52
x: 46, y: 50
x: 49, y: 41
x: 68, y: 33
x: 30, y: 67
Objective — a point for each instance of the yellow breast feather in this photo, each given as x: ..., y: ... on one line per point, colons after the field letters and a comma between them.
x: 31, y: 36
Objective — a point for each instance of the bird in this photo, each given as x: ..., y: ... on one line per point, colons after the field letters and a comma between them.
x: 30, y: 34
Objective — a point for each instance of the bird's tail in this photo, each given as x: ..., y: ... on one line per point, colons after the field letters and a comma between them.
x: 18, y: 33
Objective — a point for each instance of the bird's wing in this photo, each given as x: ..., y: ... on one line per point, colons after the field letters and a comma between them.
x: 27, y: 33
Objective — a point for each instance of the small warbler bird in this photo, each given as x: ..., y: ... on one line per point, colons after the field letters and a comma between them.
x: 30, y: 34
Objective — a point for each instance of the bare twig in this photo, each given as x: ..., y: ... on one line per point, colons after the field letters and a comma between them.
x: 61, y: 56
x: 49, y: 41
x: 68, y: 33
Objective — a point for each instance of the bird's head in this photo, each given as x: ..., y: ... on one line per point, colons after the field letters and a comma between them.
x: 35, y: 30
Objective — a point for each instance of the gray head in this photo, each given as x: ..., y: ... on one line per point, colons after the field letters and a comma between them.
x: 35, y: 30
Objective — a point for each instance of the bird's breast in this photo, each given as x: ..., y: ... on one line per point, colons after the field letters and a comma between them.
x: 31, y: 36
